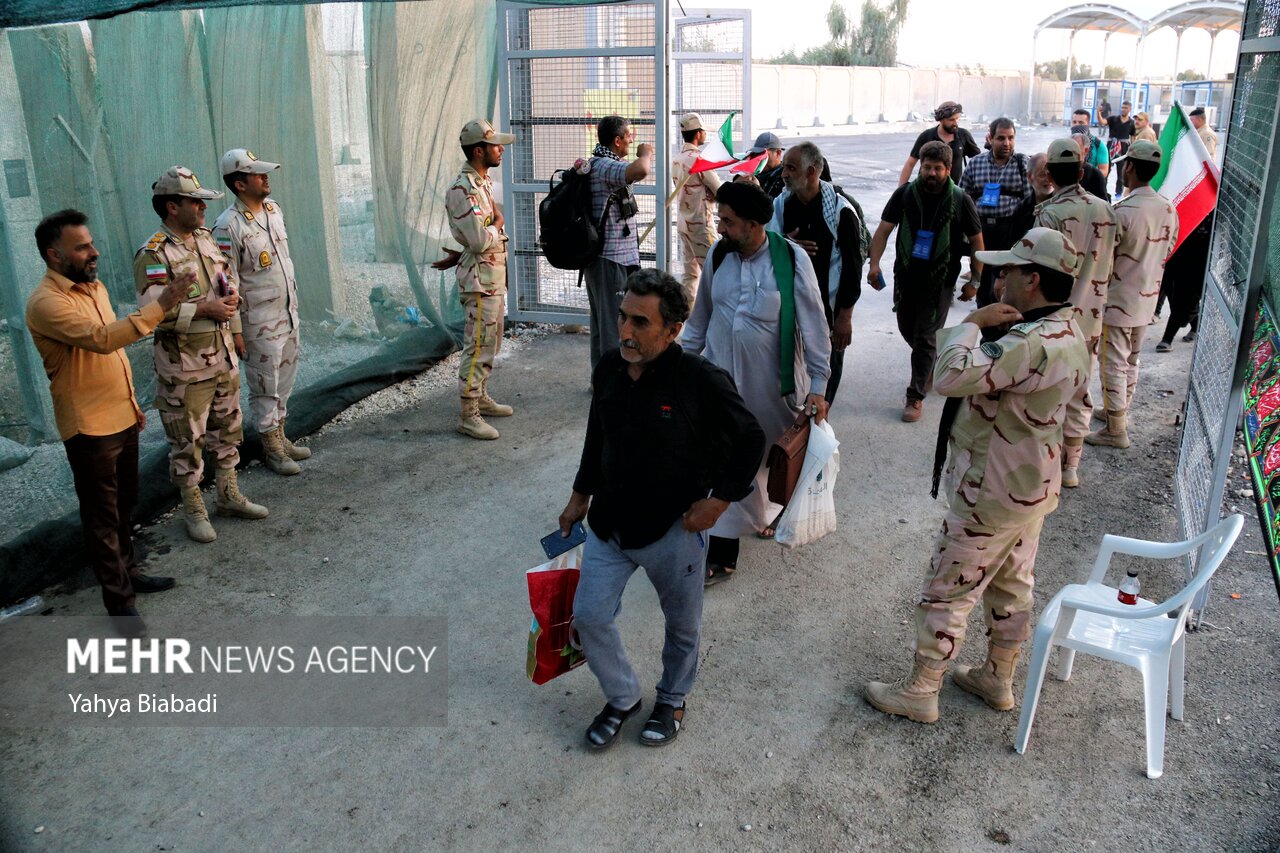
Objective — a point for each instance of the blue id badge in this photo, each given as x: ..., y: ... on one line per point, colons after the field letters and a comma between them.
x: 923, y: 247
x: 990, y: 195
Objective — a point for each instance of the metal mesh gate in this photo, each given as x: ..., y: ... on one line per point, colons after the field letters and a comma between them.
x: 711, y: 76
x: 562, y: 68
x: 1239, y: 262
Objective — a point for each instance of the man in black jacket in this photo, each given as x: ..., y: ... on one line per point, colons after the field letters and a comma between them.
x: 669, y: 446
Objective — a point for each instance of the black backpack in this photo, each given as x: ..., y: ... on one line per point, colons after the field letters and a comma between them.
x: 570, y: 237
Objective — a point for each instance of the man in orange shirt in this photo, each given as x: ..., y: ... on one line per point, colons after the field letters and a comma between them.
x: 82, y: 344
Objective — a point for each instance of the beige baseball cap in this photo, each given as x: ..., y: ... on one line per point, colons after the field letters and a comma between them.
x: 180, y: 180
x: 1063, y: 151
x: 1043, y: 246
x: 690, y: 121
x: 480, y: 130
x: 1147, y: 151
x: 244, y: 160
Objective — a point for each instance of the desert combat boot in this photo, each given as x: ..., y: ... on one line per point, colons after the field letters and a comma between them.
x: 492, y: 408
x: 993, y: 681
x: 471, y: 424
x: 231, y: 502
x: 1116, y: 433
x: 274, y: 454
x: 296, y: 453
x: 195, y: 515
x: 914, y: 697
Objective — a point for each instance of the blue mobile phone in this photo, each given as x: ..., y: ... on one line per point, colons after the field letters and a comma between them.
x: 879, y: 282
x: 554, y: 544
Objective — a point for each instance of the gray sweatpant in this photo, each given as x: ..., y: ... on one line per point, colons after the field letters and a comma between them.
x: 605, y: 280
x: 675, y: 566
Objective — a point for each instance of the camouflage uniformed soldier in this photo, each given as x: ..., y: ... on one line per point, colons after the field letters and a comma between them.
x: 197, y: 375
x: 476, y: 223
x: 696, y: 207
x: 1148, y: 233
x: 1090, y: 224
x: 252, y: 234
x: 1005, y: 443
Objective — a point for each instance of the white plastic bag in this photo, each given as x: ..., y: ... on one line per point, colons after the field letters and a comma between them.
x: 812, y: 511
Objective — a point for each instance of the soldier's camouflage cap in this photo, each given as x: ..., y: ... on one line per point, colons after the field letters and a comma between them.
x: 480, y: 130
x: 180, y: 180
x: 690, y: 121
x: 1063, y: 151
x: 1044, y: 246
x: 1147, y: 151
x: 244, y: 160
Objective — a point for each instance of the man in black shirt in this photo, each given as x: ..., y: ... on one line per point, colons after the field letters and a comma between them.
x: 1094, y: 179
x: 823, y: 223
x: 669, y: 446
x: 950, y: 133
x: 1121, y: 129
x: 939, y: 226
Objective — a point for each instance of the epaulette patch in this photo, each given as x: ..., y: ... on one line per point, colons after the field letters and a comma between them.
x: 248, y: 217
x: 1024, y: 329
x: 992, y: 349
x: 270, y: 209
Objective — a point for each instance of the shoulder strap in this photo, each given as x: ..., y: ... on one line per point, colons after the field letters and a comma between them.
x: 717, y: 255
x: 784, y: 272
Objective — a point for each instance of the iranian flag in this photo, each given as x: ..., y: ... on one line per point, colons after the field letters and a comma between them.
x: 751, y: 165
x: 1188, y: 177
x: 718, y: 152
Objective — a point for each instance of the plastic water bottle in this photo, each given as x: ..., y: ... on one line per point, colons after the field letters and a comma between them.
x: 1128, y: 594
x: 31, y: 605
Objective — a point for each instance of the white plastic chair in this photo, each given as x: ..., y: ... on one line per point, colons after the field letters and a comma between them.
x: 1147, y: 636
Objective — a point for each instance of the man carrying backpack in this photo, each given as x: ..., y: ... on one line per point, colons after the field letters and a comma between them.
x: 613, y: 204
x: 822, y: 222
x: 476, y: 223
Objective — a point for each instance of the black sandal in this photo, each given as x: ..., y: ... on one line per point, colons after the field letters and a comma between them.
x: 605, y: 727
x: 717, y: 573
x: 663, y: 725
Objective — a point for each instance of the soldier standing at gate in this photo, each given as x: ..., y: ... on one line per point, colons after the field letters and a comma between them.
x: 197, y: 369
x: 251, y: 233
x: 476, y: 223
x: 695, y: 214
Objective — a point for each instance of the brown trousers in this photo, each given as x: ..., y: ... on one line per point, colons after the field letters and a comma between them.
x: 105, y: 469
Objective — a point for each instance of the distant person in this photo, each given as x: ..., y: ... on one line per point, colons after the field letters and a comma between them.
x: 949, y: 132
x: 824, y: 223
x: 695, y: 210
x: 196, y: 353
x: 1093, y: 180
x: 669, y: 447
x: 252, y: 235
x: 938, y: 226
x: 771, y: 175
x: 1148, y: 226
x: 1096, y: 155
x: 1104, y: 115
x: 1143, y: 131
x: 611, y: 197
x: 755, y: 280
x: 999, y: 181
x: 1206, y: 134
x: 1041, y: 188
x: 1120, y: 129
x: 81, y: 343
x: 1090, y: 225
x: 476, y: 222
x: 1009, y: 396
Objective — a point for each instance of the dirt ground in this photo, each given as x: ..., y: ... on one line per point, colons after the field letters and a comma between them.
x: 779, y: 751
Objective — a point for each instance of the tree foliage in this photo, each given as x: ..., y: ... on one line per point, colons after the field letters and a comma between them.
x: 1190, y: 76
x: 873, y: 41
x: 1056, y: 69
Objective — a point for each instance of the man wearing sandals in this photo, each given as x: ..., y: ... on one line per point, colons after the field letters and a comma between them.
x: 1003, y: 423
x: 669, y: 446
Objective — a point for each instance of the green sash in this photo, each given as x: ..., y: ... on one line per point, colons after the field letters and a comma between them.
x: 784, y: 273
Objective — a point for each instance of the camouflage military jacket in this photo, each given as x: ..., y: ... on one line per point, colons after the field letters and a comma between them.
x: 1090, y: 224
x: 1148, y: 232
x: 1006, y: 443
x: 258, y: 247
x: 698, y: 195
x: 187, y: 349
x: 483, y: 266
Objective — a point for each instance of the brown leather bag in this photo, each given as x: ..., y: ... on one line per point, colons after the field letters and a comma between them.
x: 786, y: 458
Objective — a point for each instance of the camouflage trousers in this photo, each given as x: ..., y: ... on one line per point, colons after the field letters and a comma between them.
x: 1121, y: 346
x: 995, y: 564
x: 481, y: 339
x: 1080, y: 406
x: 694, y: 246
x: 270, y: 368
x: 200, y: 414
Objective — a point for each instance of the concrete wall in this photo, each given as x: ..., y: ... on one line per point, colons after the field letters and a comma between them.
x: 279, y: 110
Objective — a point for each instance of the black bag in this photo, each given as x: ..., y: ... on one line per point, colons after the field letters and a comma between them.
x: 568, y: 234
